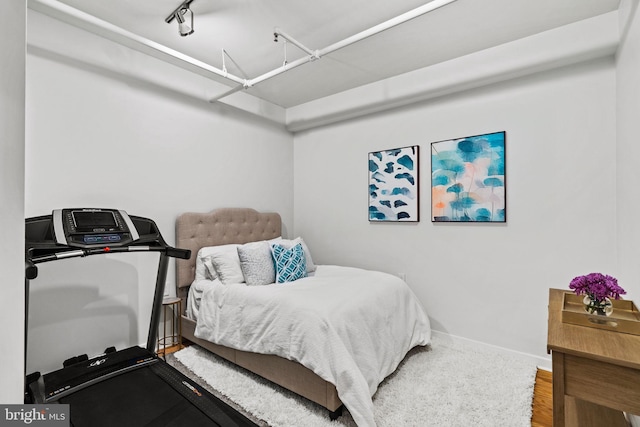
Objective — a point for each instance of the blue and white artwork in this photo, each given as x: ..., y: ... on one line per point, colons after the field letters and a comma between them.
x: 468, y: 179
x: 393, y: 185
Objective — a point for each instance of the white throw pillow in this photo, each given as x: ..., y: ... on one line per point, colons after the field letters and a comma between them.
x: 226, y: 262
x: 204, y: 265
x: 288, y: 244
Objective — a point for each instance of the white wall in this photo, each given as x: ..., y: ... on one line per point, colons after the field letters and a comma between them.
x: 485, y: 282
x: 99, y: 138
x: 628, y: 132
x: 12, y: 81
x: 628, y: 173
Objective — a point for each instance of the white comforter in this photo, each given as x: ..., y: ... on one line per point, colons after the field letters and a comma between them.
x: 352, y: 327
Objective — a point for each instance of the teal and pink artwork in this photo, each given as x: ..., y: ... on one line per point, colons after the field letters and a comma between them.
x: 393, y: 185
x: 468, y: 179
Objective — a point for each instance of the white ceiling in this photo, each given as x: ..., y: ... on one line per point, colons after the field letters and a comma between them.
x: 244, y: 29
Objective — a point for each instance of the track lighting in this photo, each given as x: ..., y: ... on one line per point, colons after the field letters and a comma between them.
x: 185, y: 21
x: 184, y: 16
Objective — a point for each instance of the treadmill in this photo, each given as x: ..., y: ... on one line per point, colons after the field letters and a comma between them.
x: 129, y: 387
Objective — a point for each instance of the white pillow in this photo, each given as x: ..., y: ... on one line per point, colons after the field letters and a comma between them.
x: 257, y: 263
x: 196, y: 290
x: 288, y: 244
x: 204, y: 265
x: 226, y: 262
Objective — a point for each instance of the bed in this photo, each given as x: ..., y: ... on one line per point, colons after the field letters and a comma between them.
x: 313, y: 376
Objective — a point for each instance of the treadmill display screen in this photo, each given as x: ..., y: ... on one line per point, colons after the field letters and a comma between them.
x: 88, y: 220
x: 86, y: 228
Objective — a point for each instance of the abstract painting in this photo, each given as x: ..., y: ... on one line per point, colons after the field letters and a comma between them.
x: 468, y: 179
x: 393, y: 185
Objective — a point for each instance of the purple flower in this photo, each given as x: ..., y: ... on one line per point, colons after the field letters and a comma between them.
x: 597, y: 285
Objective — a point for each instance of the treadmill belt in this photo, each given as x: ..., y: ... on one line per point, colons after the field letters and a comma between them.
x: 153, y: 396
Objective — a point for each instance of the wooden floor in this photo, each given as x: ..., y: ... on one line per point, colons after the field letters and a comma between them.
x: 542, y: 400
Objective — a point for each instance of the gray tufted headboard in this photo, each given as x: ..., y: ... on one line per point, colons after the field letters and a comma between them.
x: 219, y: 227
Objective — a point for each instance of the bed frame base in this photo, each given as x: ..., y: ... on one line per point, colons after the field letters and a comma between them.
x: 285, y: 373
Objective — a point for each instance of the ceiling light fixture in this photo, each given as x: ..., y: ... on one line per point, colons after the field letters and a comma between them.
x: 184, y: 16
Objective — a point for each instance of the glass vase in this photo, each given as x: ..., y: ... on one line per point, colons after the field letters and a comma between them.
x: 602, y: 307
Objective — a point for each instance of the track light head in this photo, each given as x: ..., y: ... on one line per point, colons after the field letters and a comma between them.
x: 184, y: 16
x: 185, y: 21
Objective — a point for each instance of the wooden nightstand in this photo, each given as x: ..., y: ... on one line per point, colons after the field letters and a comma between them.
x: 171, y: 338
x: 596, y: 372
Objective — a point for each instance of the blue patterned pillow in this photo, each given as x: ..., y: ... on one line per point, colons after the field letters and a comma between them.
x: 290, y: 263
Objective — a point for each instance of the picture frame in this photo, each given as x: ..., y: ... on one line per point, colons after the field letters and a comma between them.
x: 394, y: 185
x: 468, y: 179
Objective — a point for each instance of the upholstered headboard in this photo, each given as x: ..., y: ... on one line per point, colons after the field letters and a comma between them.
x: 219, y: 227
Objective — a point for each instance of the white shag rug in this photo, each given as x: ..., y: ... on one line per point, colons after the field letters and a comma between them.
x: 445, y: 384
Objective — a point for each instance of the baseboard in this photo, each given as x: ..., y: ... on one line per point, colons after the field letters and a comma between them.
x: 542, y: 362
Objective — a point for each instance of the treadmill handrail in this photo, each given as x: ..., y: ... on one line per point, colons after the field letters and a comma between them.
x: 168, y: 250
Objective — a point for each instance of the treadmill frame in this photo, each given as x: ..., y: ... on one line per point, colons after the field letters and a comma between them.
x: 41, y: 246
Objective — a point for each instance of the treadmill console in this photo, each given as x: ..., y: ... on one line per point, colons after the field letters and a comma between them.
x: 93, y: 228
